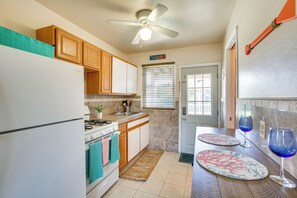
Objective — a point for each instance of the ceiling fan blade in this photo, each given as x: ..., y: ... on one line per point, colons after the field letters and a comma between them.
x: 120, y: 22
x: 136, y: 39
x: 158, y: 11
x: 165, y: 31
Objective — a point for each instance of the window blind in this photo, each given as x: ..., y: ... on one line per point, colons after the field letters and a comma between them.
x: 158, y: 86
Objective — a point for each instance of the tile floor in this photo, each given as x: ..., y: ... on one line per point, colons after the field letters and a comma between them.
x: 170, y: 178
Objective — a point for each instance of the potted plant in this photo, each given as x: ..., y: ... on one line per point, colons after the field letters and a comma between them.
x: 99, y: 109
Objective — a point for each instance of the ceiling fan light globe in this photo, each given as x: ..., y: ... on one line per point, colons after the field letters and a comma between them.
x: 145, y: 34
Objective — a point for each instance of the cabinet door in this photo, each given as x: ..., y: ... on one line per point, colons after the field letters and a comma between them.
x: 91, y: 57
x: 68, y: 46
x: 131, y: 79
x: 119, y: 77
x: 133, y: 143
x: 106, y: 73
x: 145, y: 135
x: 123, y: 149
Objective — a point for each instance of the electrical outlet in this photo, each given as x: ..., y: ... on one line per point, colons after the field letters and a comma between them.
x: 262, y: 129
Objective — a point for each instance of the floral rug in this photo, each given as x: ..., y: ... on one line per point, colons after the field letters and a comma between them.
x: 232, y: 165
x: 218, y: 139
x: 141, y: 169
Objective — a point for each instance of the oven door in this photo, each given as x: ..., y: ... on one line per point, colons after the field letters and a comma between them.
x: 110, y: 176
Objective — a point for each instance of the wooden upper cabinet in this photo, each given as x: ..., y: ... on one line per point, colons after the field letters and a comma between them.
x: 67, y: 46
x: 106, y: 71
x: 91, y: 57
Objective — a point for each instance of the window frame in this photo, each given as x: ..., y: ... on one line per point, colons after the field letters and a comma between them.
x: 174, y: 85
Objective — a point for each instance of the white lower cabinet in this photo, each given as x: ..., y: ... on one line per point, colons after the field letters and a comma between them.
x: 144, y: 135
x: 133, y: 143
x: 138, y: 136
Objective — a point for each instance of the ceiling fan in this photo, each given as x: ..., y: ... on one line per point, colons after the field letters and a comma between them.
x: 144, y: 20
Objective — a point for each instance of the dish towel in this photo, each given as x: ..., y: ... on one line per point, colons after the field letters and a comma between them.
x: 95, y: 161
x: 114, y: 148
x: 105, y: 148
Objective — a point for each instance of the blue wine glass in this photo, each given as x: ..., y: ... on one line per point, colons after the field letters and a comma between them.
x: 282, y: 142
x: 246, y: 125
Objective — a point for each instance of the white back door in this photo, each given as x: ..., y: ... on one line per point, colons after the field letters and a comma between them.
x: 199, y: 99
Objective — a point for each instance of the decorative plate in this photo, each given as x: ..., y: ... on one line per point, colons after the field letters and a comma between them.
x: 218, y: 139
x: 232, y: 165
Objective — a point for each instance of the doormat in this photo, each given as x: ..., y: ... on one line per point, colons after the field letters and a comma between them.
x: 186, y: 158
x: 141, y: 169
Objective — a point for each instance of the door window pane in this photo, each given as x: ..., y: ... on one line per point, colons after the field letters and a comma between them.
x: 191, y: 108
x: 199, y: 94
x: 191, y: 81
x: 191, y: 95
x: 199, y: 108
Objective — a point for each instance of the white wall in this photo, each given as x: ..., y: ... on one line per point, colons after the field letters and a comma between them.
x: 270, y: 70
x: 181, y: 56
x: 25, y: 16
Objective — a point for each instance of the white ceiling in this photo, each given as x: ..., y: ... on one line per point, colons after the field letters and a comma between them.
x: 197, y: 21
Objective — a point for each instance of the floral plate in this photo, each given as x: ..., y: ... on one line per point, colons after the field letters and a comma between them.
x: 232, y: 165
x: 218, y: 139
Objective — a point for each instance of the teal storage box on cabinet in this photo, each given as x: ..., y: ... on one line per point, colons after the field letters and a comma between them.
x: 19, y: 41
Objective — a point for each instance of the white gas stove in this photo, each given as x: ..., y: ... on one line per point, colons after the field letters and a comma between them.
x: 96, y: 130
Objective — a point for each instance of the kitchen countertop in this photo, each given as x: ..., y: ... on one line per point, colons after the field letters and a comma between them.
x: 123, y: 118
x: 208, y: 184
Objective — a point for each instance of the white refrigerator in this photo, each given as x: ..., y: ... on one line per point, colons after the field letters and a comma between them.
x: 41, y: 127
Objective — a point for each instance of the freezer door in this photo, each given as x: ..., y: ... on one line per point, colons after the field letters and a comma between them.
x: 47, y: 162
x: 36, y: 90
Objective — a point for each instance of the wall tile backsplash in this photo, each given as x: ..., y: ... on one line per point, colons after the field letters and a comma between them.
x: 163, y: 123
x: 111, y: 103
x: 275, y: 113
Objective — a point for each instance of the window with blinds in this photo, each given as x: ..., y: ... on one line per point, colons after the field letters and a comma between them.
x: 158, y: 86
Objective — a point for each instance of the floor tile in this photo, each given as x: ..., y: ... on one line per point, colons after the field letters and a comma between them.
x: 187, y: 193
x: 123, y: 192
x: 190, y: 170
x: 113, y: 188
x: 140, y: 194
x: 189, y: 183
x: 177, y: 179
x: 172, y: 191
x: 159, y: 175
x: 179, y: 169
x: 131, y: 184
x: 151, y: 186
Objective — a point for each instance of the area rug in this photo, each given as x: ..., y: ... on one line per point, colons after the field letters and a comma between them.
x: 186, y: 158
x: 231, y: 164
x: 141, y: 169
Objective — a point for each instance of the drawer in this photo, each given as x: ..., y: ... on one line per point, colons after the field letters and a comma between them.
x: 133, y: 124
x: 143, y: 120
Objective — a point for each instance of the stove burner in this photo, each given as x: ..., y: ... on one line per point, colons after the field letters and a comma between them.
x: 97, y: 122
